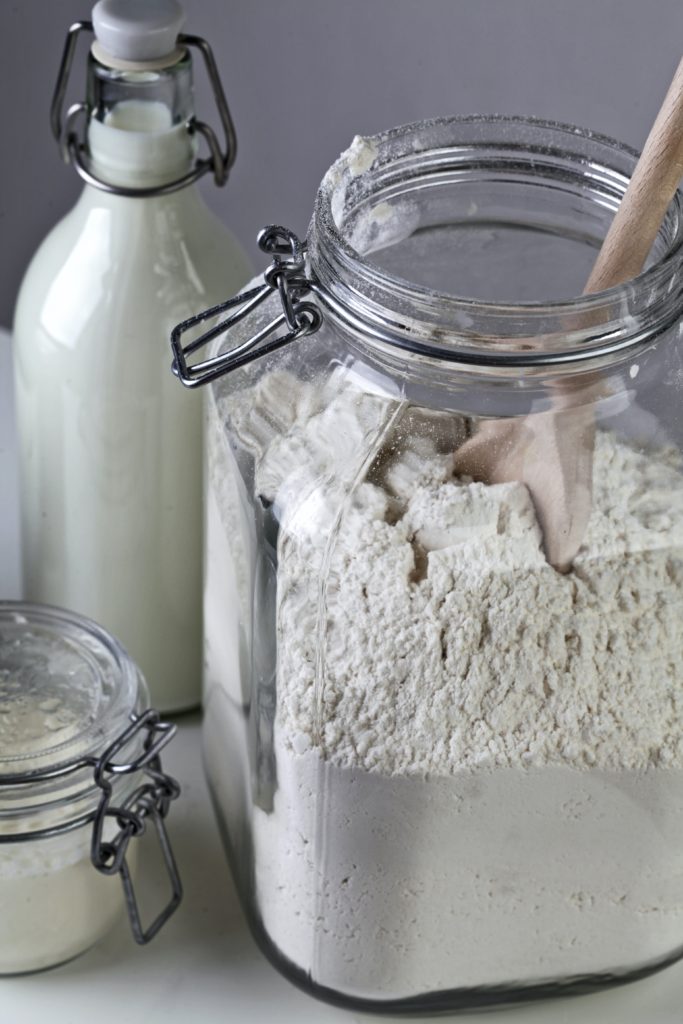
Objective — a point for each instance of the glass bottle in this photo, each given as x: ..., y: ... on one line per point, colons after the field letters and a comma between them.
x: 448, y: 775
x: 110, y: 458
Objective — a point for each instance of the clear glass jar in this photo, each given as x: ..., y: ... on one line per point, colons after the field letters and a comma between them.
x: 79, y: 778
x: 448, y: 774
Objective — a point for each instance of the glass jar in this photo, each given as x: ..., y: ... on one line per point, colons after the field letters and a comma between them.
x: 448, y: 774
x: 80, y: 776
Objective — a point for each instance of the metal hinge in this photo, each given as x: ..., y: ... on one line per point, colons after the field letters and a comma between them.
x: 286, y: 276
x: 149, y: 801
x: 74, y: 150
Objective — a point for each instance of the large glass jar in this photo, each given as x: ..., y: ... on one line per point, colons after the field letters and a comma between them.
x: 448, y: 773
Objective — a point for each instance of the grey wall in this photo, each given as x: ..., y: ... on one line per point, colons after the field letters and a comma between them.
x: 304, y: 76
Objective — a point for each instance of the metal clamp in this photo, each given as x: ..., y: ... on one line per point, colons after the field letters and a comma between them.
x: 150, y: 800
x: 287, y: 276
x: 74, y: 150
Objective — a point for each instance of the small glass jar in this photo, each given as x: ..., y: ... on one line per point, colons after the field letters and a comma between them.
x: 449, y: 775
x: 80, y: 777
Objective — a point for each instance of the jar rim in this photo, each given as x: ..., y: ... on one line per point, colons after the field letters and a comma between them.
x: 348, y: 283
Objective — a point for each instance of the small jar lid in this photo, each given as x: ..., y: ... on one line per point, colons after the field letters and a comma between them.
x: 67, y: 688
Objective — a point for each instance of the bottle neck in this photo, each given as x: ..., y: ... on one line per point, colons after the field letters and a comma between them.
x: 139, y: 124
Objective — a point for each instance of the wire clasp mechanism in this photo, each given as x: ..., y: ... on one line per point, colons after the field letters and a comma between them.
x: 74, y: 149
x: 149, y: 801
x: 286, y: 276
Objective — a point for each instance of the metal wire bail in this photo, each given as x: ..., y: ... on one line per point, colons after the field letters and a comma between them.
x: 149, y: 801
x: 287, y: 276
x: 74, y: 149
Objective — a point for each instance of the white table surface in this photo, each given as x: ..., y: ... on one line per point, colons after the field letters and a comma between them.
x: 204, y: 967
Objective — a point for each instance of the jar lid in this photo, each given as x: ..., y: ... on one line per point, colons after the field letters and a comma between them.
x: 67, y: 688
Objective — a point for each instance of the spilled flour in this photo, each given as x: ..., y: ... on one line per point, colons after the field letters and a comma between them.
x: 478, y: 759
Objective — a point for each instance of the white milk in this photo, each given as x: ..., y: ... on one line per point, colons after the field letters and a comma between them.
x: 111, y: 444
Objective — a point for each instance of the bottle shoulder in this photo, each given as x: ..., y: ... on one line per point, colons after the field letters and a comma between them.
x: 137, y: 226
x: 157, y: 261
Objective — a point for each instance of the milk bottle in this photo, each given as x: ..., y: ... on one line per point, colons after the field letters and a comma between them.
x: 111, y: 458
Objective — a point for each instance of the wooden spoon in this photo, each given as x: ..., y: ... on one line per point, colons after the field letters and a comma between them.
x: 552, y: 452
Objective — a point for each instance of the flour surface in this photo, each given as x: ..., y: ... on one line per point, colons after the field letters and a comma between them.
x: 470, y: 747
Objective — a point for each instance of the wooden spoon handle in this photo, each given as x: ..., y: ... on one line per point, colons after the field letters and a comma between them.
x: 651, y: 189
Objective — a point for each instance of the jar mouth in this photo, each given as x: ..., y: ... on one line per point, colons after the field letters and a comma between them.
x: 68, y: 689
x: 553, y: 179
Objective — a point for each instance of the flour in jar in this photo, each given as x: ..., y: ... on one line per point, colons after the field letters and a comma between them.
x: 478, y: 759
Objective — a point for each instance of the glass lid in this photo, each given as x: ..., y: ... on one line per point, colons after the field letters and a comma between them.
x: 67, y: 688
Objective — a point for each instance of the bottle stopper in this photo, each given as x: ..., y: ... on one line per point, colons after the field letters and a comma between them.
x: 131, y: 35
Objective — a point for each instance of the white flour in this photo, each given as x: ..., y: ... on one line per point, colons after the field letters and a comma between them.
x: 53, y: 903
x: 478, y: 759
